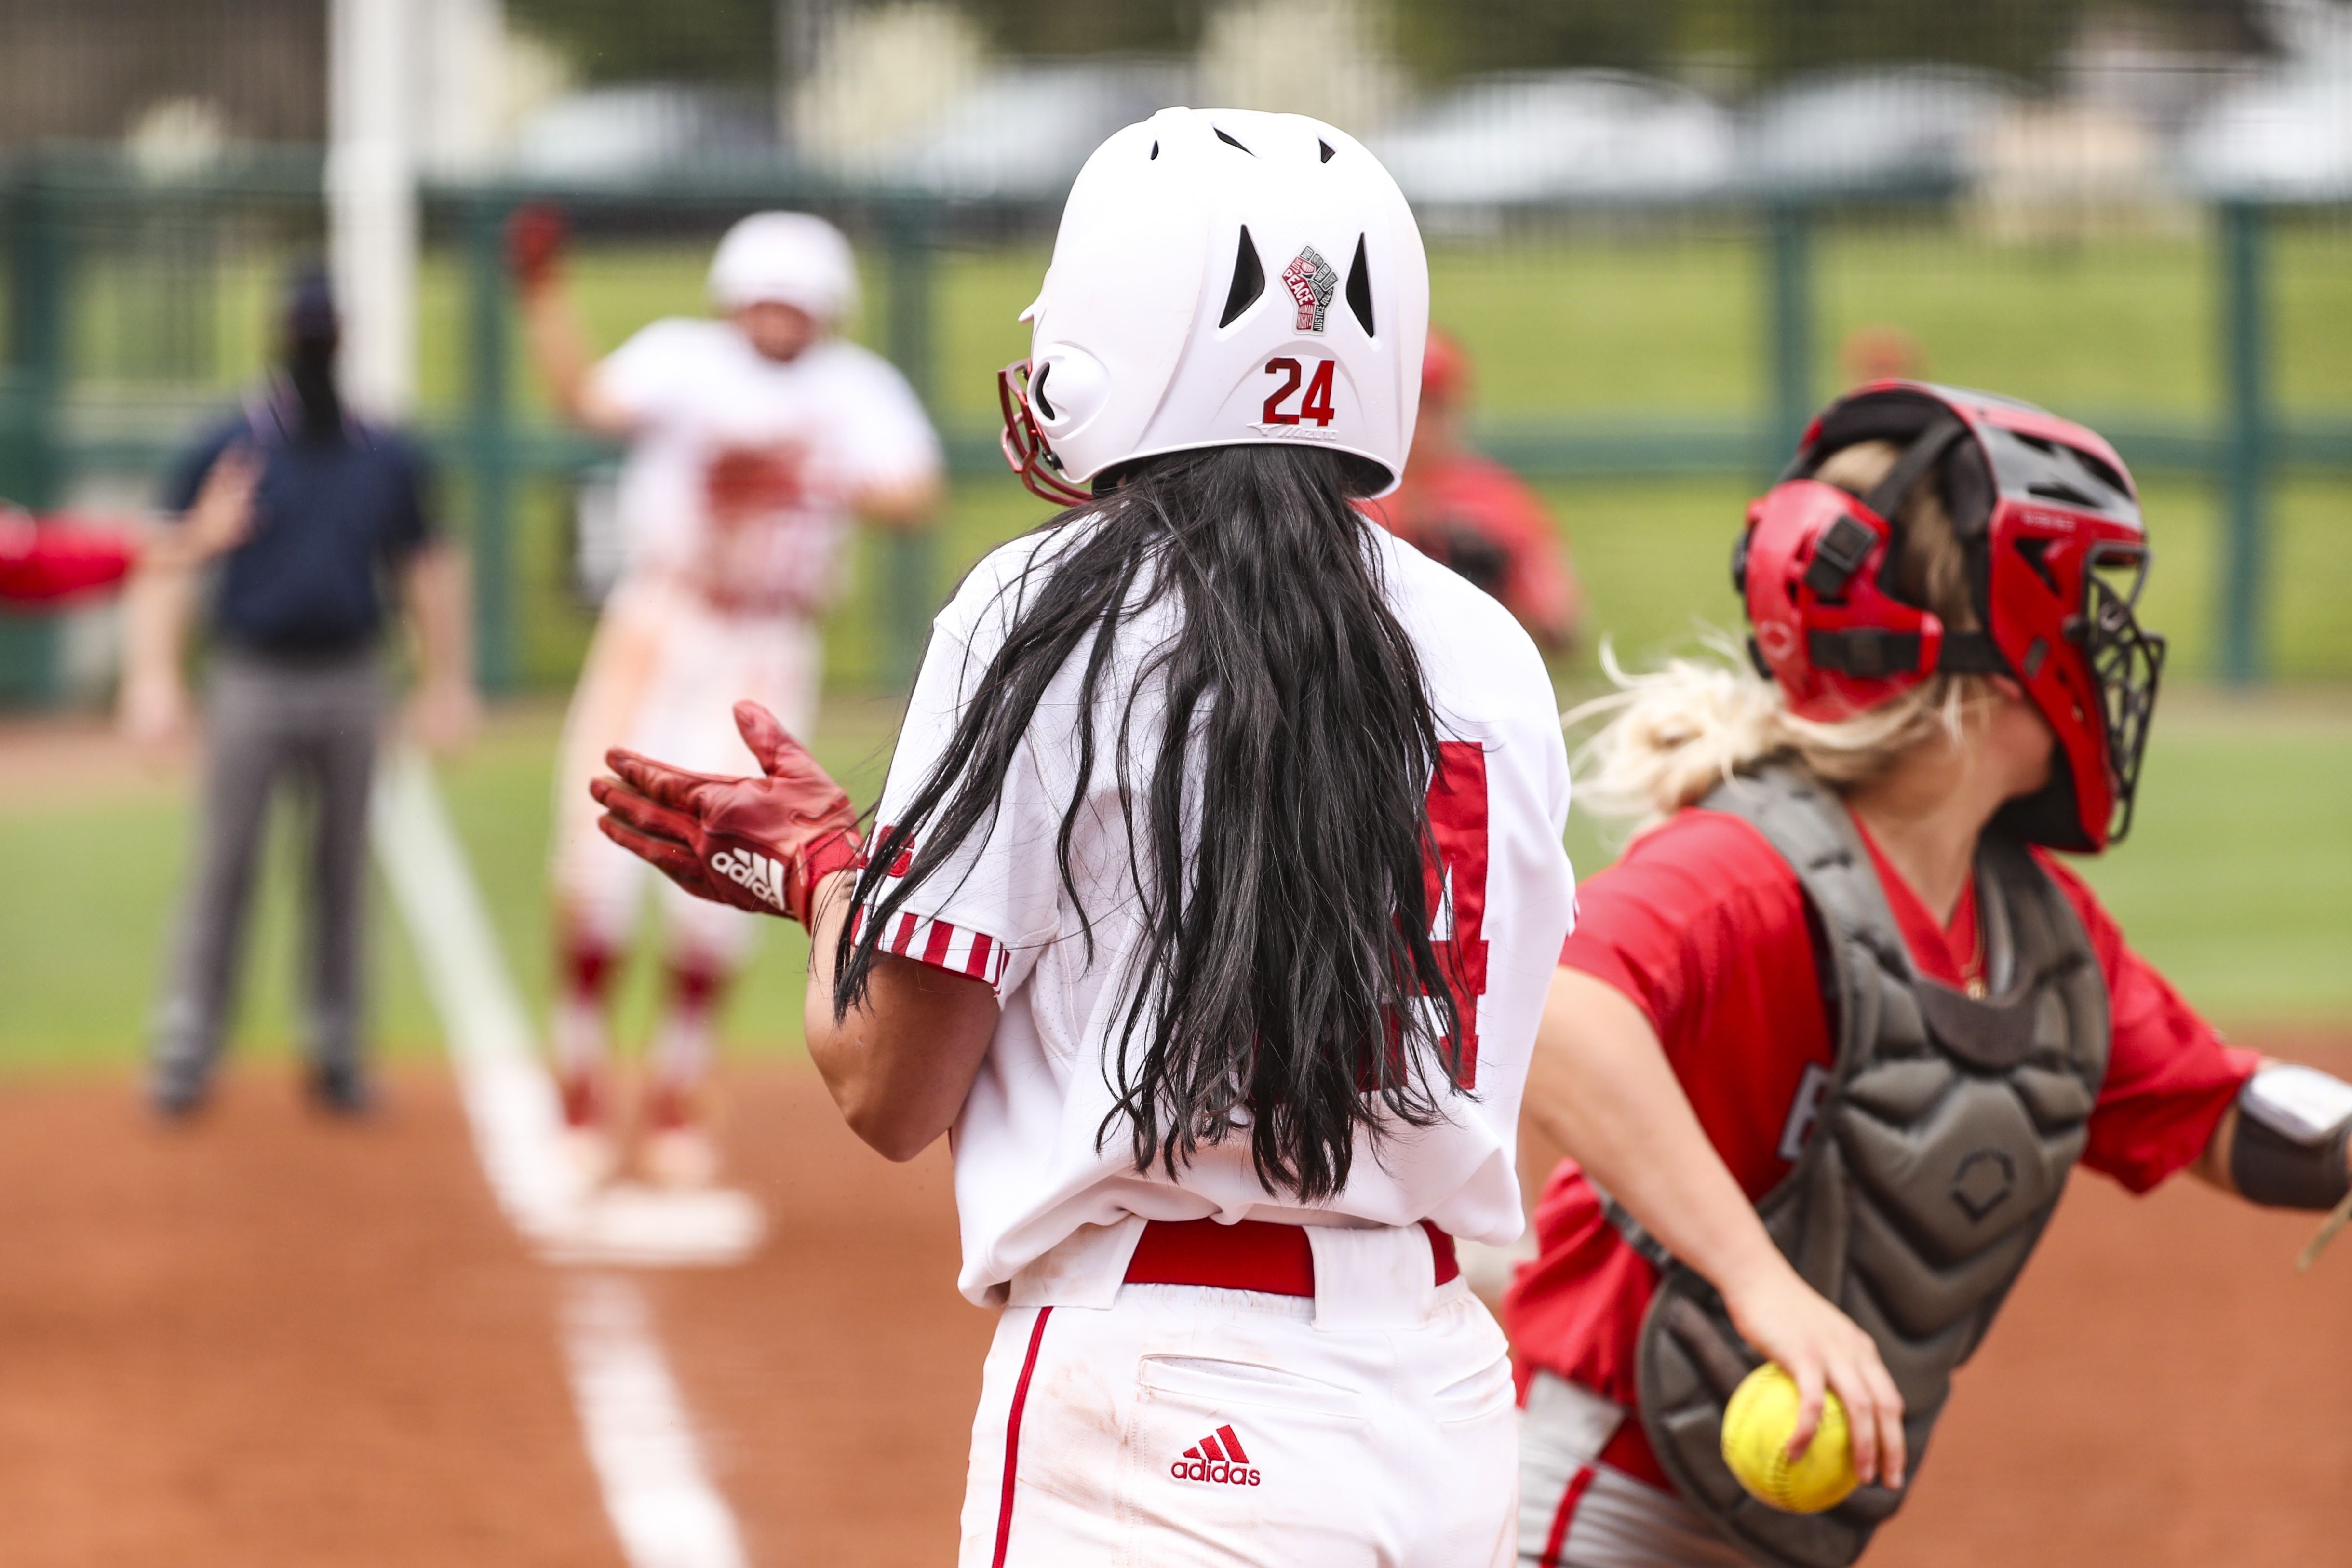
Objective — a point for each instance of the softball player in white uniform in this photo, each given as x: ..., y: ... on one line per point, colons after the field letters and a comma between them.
x: 1217, y: 888
x: 754, y: 441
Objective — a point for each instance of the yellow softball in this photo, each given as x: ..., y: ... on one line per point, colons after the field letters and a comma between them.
x: 1755, y: 1428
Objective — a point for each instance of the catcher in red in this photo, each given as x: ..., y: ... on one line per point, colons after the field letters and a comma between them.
x: 1829, y: 1041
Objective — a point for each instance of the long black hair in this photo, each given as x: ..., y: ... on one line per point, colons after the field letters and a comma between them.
x: 1286, y: 982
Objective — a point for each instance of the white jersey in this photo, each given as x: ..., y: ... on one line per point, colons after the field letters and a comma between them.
x: 740, y: 477
x: 1028, y: 1171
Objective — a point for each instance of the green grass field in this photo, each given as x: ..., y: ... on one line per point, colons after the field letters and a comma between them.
x: 2233, y: 882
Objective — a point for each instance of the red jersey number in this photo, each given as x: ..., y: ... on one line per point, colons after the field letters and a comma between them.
x: 1316, y: 405
x: 1455, y: 884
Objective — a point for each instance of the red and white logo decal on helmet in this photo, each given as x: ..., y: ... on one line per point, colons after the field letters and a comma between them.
x: 1312, y: 282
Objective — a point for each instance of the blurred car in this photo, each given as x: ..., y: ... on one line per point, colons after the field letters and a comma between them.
x: 622, y: 133
x: 1023, y: 129
x: 1581, y: 135
x: 1923, y: 127
x: 2282, y: 137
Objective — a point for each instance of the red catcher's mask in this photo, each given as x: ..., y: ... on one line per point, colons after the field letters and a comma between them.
x: 2049, y: 527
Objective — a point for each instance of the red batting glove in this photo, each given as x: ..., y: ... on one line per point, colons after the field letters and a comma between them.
x: 761, y: 844
x: 536, y: 236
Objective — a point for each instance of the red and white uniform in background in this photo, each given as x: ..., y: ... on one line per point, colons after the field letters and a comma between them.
x: 1464, y: 509
x: 1179, y: 1421
x: 735, y: 511
x: 1705, y: 927
x: 1476, y: 516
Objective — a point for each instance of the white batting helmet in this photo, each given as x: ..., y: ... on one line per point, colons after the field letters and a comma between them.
x: 1222, y: 277
x: 789, y: 258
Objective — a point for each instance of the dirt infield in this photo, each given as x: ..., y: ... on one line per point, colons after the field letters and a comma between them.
x: 269, y: 1340
x: 2163, y: 1389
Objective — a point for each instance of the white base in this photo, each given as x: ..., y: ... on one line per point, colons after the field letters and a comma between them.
x: 629, y: 1224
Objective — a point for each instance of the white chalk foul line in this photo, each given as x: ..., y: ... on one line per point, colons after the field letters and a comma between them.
x: 663, y: 1506
x: 661, y: 1502
x: 508, y: 1099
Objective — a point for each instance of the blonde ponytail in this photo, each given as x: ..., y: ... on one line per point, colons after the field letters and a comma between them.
x: 1669, y: 737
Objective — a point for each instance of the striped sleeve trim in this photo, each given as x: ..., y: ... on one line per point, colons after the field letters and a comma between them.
x: 958, y: 949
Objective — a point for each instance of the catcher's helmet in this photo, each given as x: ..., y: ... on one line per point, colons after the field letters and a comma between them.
x: 2049, y: 524
x: 1221, y: 277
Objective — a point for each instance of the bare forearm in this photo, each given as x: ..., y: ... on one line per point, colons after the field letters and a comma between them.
x: 903, y: 508
x: 166, y: 548
x: 1600, y: 1090
x: 828, y: 912
x: 900, y: 1063
x: 566, y: 360
x: 439, y: 601
x: 156, y: 607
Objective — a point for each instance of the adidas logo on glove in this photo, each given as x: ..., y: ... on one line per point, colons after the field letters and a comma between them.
x: 1216, y: 1459
x: 763, y: 877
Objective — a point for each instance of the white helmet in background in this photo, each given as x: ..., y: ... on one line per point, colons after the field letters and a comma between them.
x: 787, y: 259
x: 1221, y: 277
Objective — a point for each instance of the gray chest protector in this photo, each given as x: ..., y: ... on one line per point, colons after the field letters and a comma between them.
x: 1943, y: 1139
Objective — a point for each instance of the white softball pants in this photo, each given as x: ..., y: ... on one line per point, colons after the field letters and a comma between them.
x: 1577, y: 1512
x: 1184, y: 1427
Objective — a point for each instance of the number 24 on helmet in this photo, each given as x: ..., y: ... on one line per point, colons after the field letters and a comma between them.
x: 1222, y: 277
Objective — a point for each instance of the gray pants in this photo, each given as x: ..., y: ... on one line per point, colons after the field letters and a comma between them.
x: 271, y: 721
x: 1577, y: 1512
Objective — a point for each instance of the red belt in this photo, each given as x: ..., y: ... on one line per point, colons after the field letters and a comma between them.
x: 1253, y: 1255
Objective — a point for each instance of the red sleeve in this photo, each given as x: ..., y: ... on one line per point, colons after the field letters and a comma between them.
x: 39, y: 565
x: 2169, y: 1075
x: 1703, y: 927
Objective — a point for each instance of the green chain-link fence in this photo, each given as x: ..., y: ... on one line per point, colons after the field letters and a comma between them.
x: 1643, y: 364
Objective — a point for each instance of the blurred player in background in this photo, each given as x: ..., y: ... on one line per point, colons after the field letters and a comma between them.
x: 754, y: 441
x: 1467, y: 511
x: 330, y: 516
x: 1828, y: 1040
x: 1220, y: 885
x: 1880, y: 352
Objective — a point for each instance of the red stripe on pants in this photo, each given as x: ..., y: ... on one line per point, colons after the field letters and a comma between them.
x: 1559, y: 1520
x: 1012, y: 1437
